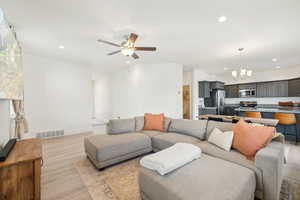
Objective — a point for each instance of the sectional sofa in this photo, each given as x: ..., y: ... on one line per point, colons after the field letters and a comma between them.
x: 230, y: 172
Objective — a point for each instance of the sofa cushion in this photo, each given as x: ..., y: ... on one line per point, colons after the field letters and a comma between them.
x: 139, y: 123
x: 195, y: 128
x: 117, y: 126
x: 207, y: 178
x: 151, y: 133
x: 166, y: 140
x: 154, y: 122
x: 249, y: 139
x: 221, y: 139
x: 106, y: 147
x: 223, y: 126
x: 232, y: 156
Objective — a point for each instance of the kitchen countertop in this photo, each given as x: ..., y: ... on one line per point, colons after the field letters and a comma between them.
x: 295, y: 110
x: 265, y: 121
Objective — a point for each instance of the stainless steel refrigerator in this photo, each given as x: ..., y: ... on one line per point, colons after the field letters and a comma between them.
x: 218, y: 100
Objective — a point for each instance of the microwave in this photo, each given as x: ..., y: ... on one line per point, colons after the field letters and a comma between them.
x: 249, y: 92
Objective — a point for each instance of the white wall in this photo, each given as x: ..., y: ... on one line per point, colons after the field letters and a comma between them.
x: 103, y: 98
x: 4, y: 121
x: 135, y: 90
x: 58, y: 95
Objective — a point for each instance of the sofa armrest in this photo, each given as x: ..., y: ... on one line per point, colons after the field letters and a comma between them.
x: 270, y: 161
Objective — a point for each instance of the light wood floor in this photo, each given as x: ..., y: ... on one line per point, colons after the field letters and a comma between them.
x: 61, y: 181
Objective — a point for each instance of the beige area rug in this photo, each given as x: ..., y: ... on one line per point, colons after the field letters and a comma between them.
x: 120, y: 182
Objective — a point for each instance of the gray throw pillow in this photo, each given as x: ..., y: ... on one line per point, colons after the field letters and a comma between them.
x: 139, y: 123
x: 117, y: 126
x: 195, y: 128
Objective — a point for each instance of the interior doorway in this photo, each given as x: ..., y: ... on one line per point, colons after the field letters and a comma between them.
x: 186, y: 102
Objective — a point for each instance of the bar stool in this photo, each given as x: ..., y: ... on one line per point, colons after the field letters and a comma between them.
x: 286, y: 119
x: 253, y: 114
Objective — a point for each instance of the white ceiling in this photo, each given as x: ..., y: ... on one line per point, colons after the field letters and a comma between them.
x: 186, y: 32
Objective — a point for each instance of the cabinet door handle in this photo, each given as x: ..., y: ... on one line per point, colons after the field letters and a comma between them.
x: 42, y: 162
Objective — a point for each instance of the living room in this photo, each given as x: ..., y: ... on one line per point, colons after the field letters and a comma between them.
x: 98, y: 99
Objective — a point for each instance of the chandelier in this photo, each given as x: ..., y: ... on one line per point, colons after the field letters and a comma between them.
x: 243, y: 72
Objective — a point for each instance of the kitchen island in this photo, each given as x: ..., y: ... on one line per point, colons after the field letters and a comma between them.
x: 292, y: 110
x: 225, y: 118
x: 290, y: 131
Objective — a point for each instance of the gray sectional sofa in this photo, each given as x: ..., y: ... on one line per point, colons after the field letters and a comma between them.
x: 126, y: 139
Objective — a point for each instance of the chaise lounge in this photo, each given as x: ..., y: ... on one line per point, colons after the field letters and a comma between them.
x: 215, y: 175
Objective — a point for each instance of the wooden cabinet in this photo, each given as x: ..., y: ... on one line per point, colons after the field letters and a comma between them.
x: 204, y: 89
x: 20, y: 174
x: 231, y: 91
x: 294, y: 87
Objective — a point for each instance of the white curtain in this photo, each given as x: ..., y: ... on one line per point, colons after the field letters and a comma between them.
x: 21, y: 126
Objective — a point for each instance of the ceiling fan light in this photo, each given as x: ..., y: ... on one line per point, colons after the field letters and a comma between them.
x: 127, y: 51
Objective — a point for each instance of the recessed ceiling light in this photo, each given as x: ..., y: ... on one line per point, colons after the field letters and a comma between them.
x: 61, y: 47
x: 222, y: 19
x: 278, y: 67
x: 274, y: 59
x: 127, y: 62
x: 225, y: 68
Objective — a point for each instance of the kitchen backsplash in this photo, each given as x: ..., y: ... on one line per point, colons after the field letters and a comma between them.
x: 262, y: 100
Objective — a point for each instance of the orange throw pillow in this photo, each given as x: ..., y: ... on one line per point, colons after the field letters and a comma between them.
x: 154, y: 122
x: 250, y: 139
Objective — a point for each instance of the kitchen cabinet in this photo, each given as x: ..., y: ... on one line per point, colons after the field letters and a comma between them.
x: 208, y: 111
x: 272, y: 89
x: 294, y: 87
x: 217, y: 85
x: 204, y: 89
x: 231, y: 91
x: 261, y: 89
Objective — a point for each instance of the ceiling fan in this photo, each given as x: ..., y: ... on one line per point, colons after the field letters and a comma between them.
x: 127, y: 47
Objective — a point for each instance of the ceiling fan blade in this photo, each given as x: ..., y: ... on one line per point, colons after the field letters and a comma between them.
x: 135, y: 56
x: 145, y: 48
x: 114, y: 52
x: 110, y: 43
x: 132, y: 38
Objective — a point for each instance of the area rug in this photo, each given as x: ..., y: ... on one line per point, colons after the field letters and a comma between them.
x: 120, y: 182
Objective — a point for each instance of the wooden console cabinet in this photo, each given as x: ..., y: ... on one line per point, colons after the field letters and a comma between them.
x: 20, y: 174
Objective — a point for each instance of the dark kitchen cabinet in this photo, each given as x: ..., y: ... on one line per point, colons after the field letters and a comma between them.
x: 262, y: 90
x: 272, y: 89
x: 231, y: 91
x: 294, y: 87
x: 204, y: 89
x: 217, y: 85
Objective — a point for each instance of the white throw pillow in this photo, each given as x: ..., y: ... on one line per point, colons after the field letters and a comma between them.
x: 221, y: 139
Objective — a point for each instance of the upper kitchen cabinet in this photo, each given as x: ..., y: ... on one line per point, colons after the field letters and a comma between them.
x: 294, y: 87
x: 272, y: 89
x: 204, y: 89
x: 217, y: 85
x: 231, y: 91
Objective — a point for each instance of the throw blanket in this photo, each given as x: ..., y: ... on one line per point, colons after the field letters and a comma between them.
x: 171, y: 158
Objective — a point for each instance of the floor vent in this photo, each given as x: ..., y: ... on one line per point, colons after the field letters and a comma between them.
x: 50, y: 134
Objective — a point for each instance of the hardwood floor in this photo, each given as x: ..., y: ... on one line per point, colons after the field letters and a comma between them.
x: 61, y: 181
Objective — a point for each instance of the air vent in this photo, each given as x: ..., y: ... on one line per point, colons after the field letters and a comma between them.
x: 50, y: 134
